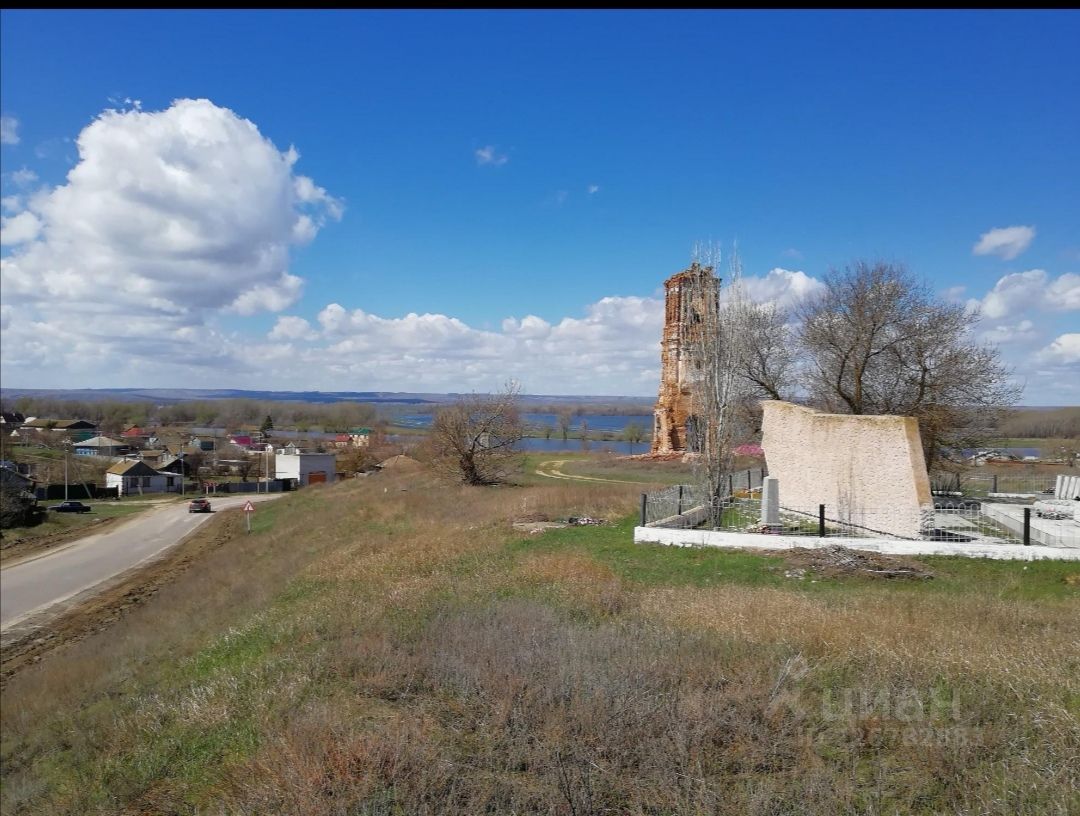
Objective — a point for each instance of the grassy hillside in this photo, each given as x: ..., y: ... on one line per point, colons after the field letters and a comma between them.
x: 392, y: 646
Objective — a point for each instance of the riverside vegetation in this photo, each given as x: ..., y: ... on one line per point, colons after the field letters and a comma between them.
x: 392, y: 645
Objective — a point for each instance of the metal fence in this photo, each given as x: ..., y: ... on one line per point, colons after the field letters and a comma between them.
x: 987, y: 484
x: 676, y: 500
x: 687, y: 506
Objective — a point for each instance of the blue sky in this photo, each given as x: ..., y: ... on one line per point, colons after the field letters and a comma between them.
x: 521, y: 183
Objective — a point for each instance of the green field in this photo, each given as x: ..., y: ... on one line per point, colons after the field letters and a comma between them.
x: 392, y: 645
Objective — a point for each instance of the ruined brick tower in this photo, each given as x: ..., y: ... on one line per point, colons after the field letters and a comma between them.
x: 690, y: 305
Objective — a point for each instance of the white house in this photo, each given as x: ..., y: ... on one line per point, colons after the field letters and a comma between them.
x: 305, y: 468
x: 136, y: 478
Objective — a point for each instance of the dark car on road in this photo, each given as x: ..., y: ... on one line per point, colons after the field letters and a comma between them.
x: 199, y: 506
x: 71, y: 507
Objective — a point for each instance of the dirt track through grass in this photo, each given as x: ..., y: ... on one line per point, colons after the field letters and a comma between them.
x: 552, y: 469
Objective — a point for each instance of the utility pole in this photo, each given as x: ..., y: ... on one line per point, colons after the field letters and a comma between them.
x: 67, y: 447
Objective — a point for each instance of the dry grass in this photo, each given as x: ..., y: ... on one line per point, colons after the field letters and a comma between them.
x: 391, y: 646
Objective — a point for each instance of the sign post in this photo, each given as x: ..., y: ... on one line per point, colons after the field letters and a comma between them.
x: 249, y: 508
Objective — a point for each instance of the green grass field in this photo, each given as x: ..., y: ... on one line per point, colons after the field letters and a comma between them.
x: 68, y: 523
x: 390, y: 645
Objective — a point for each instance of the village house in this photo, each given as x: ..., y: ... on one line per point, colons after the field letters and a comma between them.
x: 137, y: 478
x: 77, y: 430
x: 101, y: 446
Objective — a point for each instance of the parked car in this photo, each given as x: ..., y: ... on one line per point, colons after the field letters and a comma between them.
x: 199, y: 506
x: 71, y: 507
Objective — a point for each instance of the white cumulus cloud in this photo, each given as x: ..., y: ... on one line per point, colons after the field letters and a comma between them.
x: 1065, y: 350
x: 1006, y: 242
x: 19, y: 229
x: 9, y: 130
x: 1024, y: 330
x: 289, y: 327
x: 781, y: 287
x: 168, y: 219
x: 1063, y: 293
x: 612, y: 348
x: 1032, y: 289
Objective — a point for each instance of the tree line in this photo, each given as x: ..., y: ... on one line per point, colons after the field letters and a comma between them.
x: 113, y: 416
x: 1058, y: 423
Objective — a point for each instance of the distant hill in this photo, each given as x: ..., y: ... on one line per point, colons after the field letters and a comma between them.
x: 166, y: 396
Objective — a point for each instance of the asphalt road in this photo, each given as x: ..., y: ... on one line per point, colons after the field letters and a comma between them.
x: 34, y: 585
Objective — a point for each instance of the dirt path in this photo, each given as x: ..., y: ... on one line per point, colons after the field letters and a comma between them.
x: 552, y: 470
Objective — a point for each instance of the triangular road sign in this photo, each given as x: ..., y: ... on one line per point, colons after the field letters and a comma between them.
x: 249, y: 507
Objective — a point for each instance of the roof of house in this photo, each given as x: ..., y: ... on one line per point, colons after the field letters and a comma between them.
x: 59, y: 424
x: 101, y: 442
x: 240, y: 439
x: 11, y: 417
x: 9, y: 476
x: 129, y: 468
x: 134, y: 430
x: 342, y: 437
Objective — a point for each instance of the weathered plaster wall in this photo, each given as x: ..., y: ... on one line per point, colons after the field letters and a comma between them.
x: 868, y: 470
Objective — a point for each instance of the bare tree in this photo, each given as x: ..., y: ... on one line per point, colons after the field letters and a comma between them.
x: 476, y: 439
x: 719, y: 337
x: 769, y: 360
x: 878, y: 342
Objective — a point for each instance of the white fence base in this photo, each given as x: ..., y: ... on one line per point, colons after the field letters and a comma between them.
x: 755, y: 541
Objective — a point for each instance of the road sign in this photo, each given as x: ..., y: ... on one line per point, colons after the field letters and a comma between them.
x: 249, y: 507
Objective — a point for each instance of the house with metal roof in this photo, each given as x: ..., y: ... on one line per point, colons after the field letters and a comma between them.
x: 137, y: 478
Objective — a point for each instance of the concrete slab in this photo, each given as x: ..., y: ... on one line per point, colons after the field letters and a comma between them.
x: 952, y: 521
x: 1049, y: 532
x: 973, y: 549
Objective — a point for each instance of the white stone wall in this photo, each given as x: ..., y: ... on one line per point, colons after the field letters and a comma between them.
x: 866, y: 470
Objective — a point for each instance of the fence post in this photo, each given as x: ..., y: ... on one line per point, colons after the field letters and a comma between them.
x: 749, y: 482
x: 994, y: 489
x: 678, y: 506
x: 644, y: 502
x: 821, y: 520
x: 1027, y: 526
x: 731, y: 484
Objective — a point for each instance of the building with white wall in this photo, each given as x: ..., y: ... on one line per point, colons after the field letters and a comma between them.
x: 305, y: 468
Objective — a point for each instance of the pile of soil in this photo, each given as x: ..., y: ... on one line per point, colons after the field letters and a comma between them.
x: 838, y: 562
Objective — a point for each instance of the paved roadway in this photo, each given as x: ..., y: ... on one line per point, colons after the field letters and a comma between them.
x: 34, y: 585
